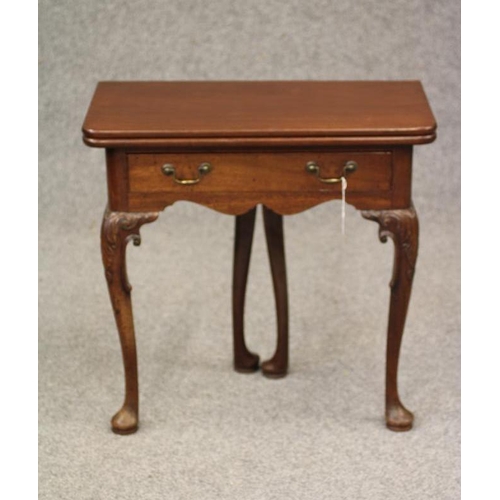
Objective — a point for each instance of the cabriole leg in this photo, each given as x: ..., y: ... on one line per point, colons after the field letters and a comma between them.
x: 244, y: 360
x: 277, y: 366
x: 402, y: 227
x: 118, y: 228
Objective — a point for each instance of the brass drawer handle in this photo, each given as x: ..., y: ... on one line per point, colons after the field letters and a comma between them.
x: 313, y: 168
x: 203, y: 169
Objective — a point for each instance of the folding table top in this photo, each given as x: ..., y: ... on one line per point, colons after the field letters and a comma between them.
x: 342, y: 112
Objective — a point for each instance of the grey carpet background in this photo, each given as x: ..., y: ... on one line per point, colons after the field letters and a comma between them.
x: 207, y: 432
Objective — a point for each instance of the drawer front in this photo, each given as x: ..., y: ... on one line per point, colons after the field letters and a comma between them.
x: 235, y: 182
x: 264, y: 173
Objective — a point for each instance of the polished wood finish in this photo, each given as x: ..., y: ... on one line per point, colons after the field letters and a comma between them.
x: 402, y: 227
x: 118, y: 180
x: 170, y: 114
x: 258, y: 137
x: 277, y: 366
x: 277, y: 180
x: 244, y: 360
x: 377, y: 184
x: 118, y: 228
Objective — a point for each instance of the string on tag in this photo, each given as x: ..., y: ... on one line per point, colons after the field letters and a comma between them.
x: 344, y: 189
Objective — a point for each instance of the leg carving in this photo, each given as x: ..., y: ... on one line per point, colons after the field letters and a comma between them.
x: 244, y: 360
x: 402, y: 227
x: 118, y: 228
x: 277, y: 366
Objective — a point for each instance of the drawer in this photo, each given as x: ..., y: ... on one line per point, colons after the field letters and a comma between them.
x: 258, y: 172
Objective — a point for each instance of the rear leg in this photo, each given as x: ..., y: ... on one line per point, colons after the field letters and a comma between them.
x: 277, y: 366
x: 244, y: 360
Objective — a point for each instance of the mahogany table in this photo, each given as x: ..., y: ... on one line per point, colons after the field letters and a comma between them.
x: 234, y: 145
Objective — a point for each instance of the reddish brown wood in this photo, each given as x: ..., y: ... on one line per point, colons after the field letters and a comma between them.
x: 244, y: 360
x: 402, y: 227
x: 118, y: 228
x: 168, y: 113
x: 240, y: 181
x: 401, y: 177
x: 268, y: 172
x: 255, y: 143
x: 239, y: 203
x: 118, y: 180
x: 258, y: 136
x: 277, y: 366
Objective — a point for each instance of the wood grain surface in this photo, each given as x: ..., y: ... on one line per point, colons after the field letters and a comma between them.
x: 168, y: 113
x: 231, y: 146
x: 240, y: 181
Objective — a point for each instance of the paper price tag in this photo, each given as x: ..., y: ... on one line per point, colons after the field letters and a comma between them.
x: 344, y: 189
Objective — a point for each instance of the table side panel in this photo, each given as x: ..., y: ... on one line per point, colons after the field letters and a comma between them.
x: 402, y: 177
x: 118, y: 180
x: 239, y: 181
x: 282, y: 203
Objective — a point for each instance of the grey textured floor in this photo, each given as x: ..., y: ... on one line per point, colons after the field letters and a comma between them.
x: 207, y: 432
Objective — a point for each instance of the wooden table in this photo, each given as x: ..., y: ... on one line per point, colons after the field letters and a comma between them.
x: 234, y: 145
